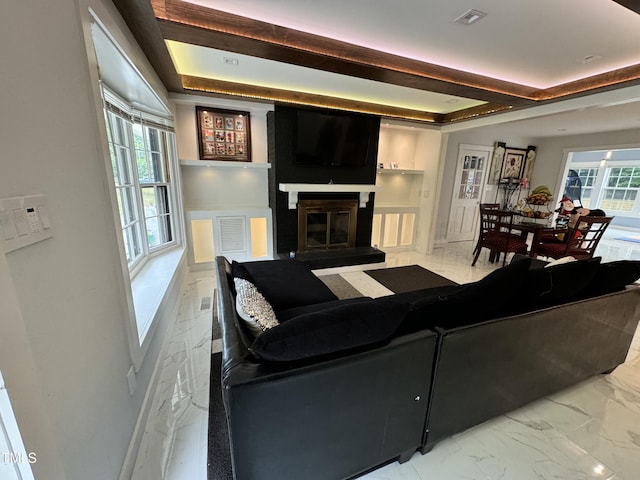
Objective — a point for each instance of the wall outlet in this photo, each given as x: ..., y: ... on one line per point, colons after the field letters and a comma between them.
x: 131, y: 379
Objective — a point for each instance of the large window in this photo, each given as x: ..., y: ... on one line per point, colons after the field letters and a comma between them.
x: 588, y: 178
x: 621, y: 189
x: 611, y: 184
x: 140, y: 157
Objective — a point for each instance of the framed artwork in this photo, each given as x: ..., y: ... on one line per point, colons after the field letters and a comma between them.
x: 512, y: 165
x: 530, y: 161
x: 223, y: 134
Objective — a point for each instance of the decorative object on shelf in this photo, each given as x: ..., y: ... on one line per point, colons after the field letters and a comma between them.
x: 508, y: 189
x: 496, y: 163
x: 394, y: 165
x: 223, y: 134
x: 538, y: 203
x: 530, y: 161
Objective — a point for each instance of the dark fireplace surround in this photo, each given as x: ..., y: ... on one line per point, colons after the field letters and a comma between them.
x: 285, y: 170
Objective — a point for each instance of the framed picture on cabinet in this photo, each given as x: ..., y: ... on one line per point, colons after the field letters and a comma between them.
x: 223, y: 134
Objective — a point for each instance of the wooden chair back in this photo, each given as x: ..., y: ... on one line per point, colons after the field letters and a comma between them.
x: 580, y: 241
x: 498, y: 234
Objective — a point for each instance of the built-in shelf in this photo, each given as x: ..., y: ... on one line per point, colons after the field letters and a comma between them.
x: 399, y: 171
x: 223, y: 164
x: 294, y: 188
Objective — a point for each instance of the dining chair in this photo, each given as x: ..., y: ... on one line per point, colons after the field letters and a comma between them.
x: 492, y: 206
x: 497, y: 235
x: 579, y: 241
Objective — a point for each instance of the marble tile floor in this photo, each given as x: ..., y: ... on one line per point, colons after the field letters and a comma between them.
x: 591, y: 431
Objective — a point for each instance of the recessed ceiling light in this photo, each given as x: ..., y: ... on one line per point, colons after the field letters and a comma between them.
x: 452, y: 100
x: 469, y: 17
x: 562, y: 129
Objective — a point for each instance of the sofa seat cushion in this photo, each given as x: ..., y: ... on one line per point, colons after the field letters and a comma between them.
x: 611, y: 277
x: 285, y: 283
x: 331, y: 331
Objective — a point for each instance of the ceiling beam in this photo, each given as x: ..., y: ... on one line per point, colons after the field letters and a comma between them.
x: 197, y: 25
x: 219, y: 87
x: 153, y: 21
x: 633, y: 5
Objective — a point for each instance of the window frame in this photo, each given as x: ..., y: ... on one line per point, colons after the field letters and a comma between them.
x: 635, y: 208
x: 114, y: 107
x: 600, y: 186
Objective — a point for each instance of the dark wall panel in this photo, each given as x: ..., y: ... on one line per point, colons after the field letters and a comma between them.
x: 281, y: 130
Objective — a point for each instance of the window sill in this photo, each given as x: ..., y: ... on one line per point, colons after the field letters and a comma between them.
x: 151, y: 284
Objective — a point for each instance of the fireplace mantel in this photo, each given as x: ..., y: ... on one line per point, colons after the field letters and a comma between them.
x: 294, y: 188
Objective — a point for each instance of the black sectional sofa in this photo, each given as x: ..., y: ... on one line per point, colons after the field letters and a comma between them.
x: 340, y: 387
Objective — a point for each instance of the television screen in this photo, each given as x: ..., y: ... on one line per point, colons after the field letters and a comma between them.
x: 336, y: 139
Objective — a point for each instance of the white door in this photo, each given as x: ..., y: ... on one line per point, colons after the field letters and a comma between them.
x: 471, y: 174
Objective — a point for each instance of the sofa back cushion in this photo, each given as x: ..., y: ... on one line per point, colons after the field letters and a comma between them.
x: 611, y: 277
x: 331, y: 331
x: 470, y: 303
x: 284, y: 283
x: 554, y: 285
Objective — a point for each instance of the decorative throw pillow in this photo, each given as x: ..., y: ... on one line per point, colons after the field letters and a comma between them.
x: 612, y: 277
x: 331, y: 331
x: 286, y: 315
x: 253, y: 308
x: 545, y: 287
x: 560, y: 261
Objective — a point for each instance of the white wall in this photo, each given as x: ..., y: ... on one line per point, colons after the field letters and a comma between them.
x: 67, y: 380
x: 485, y: 136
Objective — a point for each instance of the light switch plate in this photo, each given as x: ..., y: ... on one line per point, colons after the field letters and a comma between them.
x: 23, y: 221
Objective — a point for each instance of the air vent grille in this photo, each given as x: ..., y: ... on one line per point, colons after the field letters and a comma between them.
x: 232, y: 234
x: 469, y: 17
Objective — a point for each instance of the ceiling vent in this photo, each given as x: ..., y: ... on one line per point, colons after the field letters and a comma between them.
x: 589, y: 58
x: 469, y: 17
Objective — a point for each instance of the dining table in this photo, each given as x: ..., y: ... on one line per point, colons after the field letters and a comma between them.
x: 538, y: 230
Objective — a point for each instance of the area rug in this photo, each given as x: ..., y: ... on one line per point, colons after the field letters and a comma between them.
x: 218, y: 457
x: 408, y: 278
x: 340, y: 287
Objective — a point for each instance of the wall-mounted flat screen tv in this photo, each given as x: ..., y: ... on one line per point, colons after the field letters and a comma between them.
x: 335, y: 138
